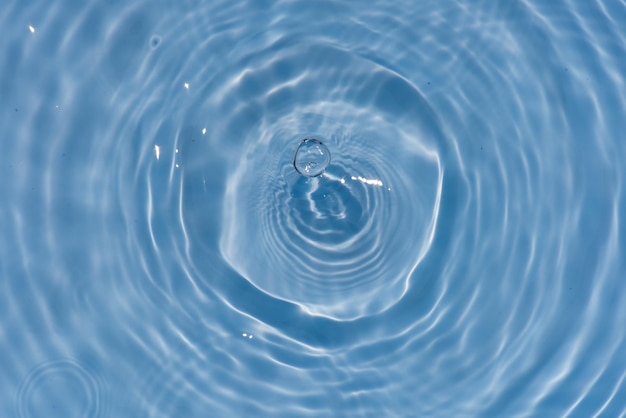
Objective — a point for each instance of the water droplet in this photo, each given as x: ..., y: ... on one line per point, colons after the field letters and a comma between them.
x: 312, y: 157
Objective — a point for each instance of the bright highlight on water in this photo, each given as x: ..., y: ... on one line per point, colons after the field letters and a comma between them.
x: 461, y: 253
x: 312, y: 157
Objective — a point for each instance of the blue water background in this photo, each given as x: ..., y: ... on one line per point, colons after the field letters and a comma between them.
x: 463, y: 255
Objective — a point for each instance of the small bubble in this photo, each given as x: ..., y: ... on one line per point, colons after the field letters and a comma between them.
x: 312, y: 157
x: 155, y: 41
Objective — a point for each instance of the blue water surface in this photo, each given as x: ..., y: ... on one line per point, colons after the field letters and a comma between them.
x: 462, y: 255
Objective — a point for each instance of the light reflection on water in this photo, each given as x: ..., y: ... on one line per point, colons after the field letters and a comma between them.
x: 459, y: 256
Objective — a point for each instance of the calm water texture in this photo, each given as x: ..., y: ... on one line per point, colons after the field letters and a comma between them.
x: 462, y: 255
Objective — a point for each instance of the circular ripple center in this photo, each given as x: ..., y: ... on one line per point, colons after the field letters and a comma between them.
x: 63, y: 386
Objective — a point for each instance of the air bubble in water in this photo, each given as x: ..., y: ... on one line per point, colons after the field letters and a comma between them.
x: 312, y: 157
x: 155, y: 41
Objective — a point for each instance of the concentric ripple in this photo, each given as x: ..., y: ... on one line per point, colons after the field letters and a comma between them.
x: 460, y: 253
x: 61, y: 387
x: 342, y: 244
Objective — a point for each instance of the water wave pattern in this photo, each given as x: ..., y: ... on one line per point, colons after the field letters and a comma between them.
x: 342, y: 245
x: 63, y: 386
x: 462, y: 254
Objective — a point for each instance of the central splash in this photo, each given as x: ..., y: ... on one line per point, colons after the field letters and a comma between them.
x: 341, y: 239
x: 312, y: 158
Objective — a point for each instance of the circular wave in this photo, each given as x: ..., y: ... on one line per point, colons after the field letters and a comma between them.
x: 61, y: 387
x: 357, y: 263
x: 342, y: 245
x: 211, y: 167
x: 460, y: 255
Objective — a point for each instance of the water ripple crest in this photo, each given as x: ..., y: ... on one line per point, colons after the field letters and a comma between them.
x: 462, y: 254
x: 64, y: 386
